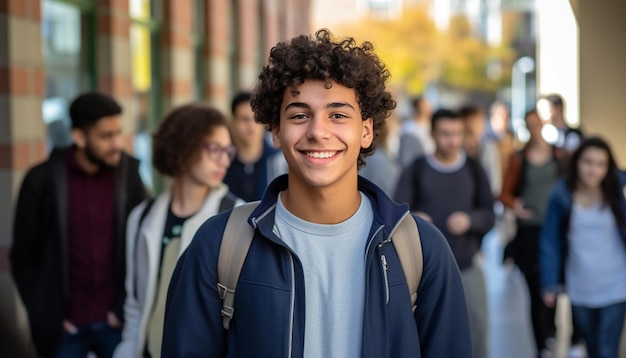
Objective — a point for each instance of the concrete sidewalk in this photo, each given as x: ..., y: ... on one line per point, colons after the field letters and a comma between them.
x: 510, y: 328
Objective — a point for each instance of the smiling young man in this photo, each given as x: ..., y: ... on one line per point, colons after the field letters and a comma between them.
x: 68, y: 254
x: 321, y: 278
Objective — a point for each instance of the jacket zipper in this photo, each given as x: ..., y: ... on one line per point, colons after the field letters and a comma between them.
x: 383, y: 259
x: 385, y: 267
x: 291, y: 304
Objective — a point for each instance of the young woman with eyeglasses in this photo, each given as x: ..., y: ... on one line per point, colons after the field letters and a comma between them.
x: 192, y: 146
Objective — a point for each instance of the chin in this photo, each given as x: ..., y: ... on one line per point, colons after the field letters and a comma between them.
x: 114, y: 160
x: 319, y: 181
x: 213, y: 184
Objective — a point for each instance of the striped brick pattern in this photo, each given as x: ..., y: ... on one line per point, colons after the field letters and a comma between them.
x: 218, y: 66
x: 113, y: 57
x: 177, y: 53
x: 248, y: 44
x: 22, y: 132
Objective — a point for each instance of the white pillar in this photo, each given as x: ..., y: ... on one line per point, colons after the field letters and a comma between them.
x: 558, y: 55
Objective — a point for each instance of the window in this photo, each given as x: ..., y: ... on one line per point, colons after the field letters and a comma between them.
x: 145, y: 109
x: 68, y: 36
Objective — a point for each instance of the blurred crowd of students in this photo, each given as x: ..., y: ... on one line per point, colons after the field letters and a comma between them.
x: 213, y: 164
x: 559, y: 204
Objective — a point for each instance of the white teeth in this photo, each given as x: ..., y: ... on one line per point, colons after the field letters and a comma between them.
x: 321, y: 155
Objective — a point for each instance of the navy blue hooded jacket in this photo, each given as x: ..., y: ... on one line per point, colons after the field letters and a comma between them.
x: 270, y: 307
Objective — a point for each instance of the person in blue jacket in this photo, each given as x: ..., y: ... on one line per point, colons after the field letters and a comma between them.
x: 322, y: 278
x: 582, y: 250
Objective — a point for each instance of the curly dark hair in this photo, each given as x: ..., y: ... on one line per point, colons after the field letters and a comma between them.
x: 181, y: 134
x: 320, y: 57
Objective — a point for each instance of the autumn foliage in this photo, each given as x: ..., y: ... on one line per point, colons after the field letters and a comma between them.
x: 419, y: 54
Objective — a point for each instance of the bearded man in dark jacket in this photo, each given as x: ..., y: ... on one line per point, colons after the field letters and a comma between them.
x: 68, y: 253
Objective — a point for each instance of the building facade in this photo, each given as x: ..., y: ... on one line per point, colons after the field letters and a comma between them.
x: 151, y: 55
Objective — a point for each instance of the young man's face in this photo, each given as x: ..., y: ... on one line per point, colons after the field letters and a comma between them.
x: 448, y: 136
x: 102, y: 142
x: 246, y: 131
x: 474, y: 128
x: 321, y: 134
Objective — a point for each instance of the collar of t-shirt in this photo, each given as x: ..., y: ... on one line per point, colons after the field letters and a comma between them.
x: 447, y: 167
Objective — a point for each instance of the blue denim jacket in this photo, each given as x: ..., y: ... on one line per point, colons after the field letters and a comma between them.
x: 553, y: 238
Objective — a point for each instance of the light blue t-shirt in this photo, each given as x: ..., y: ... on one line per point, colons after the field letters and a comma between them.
x: 333, y: 260
x: 596, y: 266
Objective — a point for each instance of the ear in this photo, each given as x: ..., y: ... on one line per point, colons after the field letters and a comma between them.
x: 79, y: 137
x: 276, y: 136
x: 367, y: 136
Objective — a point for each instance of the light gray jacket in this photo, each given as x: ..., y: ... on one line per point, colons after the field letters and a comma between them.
x: 143, y: 265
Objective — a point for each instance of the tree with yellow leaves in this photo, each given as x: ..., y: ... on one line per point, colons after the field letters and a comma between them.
x: 418, y: 54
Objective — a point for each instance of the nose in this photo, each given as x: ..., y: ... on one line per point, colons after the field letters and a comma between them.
x: 319, y: 128
x: 117, y: 142
x: 223, y: 159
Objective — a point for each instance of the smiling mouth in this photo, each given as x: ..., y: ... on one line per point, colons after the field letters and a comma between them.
x: 321, y: 155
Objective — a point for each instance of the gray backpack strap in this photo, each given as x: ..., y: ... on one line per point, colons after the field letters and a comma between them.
x: 234, y: 248
x: 406, y: 240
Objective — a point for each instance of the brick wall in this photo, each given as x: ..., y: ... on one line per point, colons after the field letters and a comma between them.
x: 113, y: 58
x: 22, y: 143
x: 177, y: 67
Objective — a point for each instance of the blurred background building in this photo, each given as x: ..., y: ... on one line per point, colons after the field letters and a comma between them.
x: 155, y: 54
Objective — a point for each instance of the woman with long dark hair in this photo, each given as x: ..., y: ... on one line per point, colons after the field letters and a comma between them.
x: 582, y: 247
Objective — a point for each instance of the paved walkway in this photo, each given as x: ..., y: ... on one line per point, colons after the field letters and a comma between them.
x: 510, y: 329
x: 510, y: 332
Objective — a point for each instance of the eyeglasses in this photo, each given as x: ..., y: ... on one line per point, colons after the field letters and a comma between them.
x: 216, y: 151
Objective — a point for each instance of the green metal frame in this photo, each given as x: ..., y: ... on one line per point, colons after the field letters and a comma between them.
x: 155, y: 26
x: 92, y: 59
x: 199, y: 36
x: 233, y: 51
x: 83, y: 5
x: 88, y: 10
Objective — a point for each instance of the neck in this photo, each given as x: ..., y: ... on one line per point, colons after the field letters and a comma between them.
x: 187, y: 196
x: 250, y: 152
x: 585, y: 189
x: 445, y: 157
x: 421, y: 119
x: 539, y: 144
x: 472, y: 147
x: 321, y: 205
x: 84, y: 162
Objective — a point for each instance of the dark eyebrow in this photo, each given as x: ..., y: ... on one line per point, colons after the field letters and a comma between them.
x: 339, y: 105
x: 297, y: 105
x: 330, y: 105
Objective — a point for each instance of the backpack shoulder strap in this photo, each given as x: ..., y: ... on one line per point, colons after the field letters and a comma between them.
x: 143, y: 215
x: 234, y: 248
x: 417, y: 169
x: 406, y: 240
x: 476, y: 168
x: 145, y: 211
x: 228, y: 202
